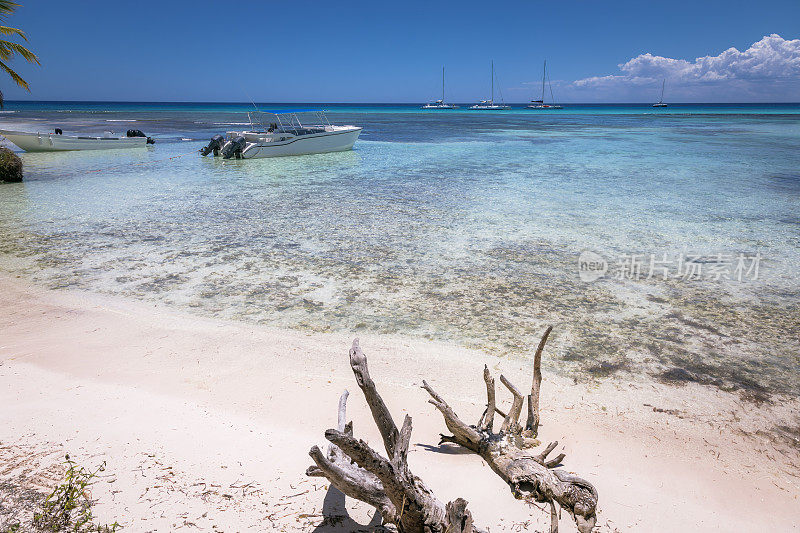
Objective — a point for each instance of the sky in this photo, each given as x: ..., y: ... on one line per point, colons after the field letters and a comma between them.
x: 353, y: 51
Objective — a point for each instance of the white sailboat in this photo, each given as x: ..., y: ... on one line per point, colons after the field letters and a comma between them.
x: 489, y: 104
x: 539, y: 104
x: 661, y: 100
x: 440, y: 104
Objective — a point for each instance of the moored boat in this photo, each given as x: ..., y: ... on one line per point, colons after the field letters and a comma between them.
x: 660, y: 102
x: 282, y: 133
x: 489, y: 105
x: 440, y: 104
x: 57, y: 142
x: 539, y: 104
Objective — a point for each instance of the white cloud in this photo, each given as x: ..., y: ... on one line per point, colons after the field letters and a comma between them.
x: 773, y: 59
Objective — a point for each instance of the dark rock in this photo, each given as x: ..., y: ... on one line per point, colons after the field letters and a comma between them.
x: 10, y: 166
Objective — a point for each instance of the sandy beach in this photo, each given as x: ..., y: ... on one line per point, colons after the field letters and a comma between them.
x: 206, y: 424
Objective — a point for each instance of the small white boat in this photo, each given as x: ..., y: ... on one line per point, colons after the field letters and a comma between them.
x: 661, y: 100
x: 489, y: 105
x: 286, y: 135
x: 439, y: 104
x: 539, y: 104
x: 56, y: 142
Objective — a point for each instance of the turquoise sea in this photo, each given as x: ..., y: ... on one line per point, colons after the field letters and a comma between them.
x: 460, y: 226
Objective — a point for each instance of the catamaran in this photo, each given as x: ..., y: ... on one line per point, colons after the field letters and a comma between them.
x: 281, y: 133
x: 489, y: 104
x: 57, y: 142
x: 539, y: 104
x: 661, y: 100
x: 439, y: 104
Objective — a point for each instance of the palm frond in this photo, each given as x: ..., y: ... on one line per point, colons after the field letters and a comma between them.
x: 8, y: 49
x: 7, y: 8
x: 14, y: 76
x: 5, y: 30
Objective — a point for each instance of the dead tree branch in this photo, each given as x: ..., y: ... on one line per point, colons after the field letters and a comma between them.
x: 387, y: 484
x: 531, y: 477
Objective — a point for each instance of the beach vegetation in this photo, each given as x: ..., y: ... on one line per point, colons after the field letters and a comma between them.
x: 9, y: 49
x: 69, y: 506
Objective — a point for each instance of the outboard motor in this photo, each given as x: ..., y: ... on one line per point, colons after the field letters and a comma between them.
x: 215, y: 145
x: 234, y: 148
x: 140, y: 133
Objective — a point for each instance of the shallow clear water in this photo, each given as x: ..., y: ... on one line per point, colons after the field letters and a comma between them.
x: 458, y: 226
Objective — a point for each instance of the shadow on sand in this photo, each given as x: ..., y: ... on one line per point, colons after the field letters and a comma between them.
x: 336, y: 519
x: 449, y: 449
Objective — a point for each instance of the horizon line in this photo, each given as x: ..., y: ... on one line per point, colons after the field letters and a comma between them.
x: 8, y: 101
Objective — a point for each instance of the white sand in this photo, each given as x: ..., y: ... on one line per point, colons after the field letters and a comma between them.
x: 208, y: 423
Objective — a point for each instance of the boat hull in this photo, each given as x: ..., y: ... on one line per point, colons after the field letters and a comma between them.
x: 339, y: 140
x: 50, y: 142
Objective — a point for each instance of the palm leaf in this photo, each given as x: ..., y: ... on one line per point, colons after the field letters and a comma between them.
x: 8, y: 49
x: 5, y: 30
x: 7, y: 7
x: 14, y: 76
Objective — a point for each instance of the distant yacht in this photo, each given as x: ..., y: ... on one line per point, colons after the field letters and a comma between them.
x: 661, y: 100
x: 489, y: 104
x: 439, y: 104
x: 539, y: 104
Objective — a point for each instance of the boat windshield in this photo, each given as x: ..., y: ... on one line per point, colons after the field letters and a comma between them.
x: 298, y: 122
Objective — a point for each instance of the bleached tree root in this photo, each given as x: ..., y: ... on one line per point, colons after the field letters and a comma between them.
x: 530, y: 477
x: 387, y: 484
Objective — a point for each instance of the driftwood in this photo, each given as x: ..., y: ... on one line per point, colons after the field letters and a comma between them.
x: 530, y: 476
x: 386, y: 484
x: 403, y: 499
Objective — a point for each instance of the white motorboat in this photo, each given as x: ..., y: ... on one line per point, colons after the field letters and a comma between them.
x: 282, y: 133
x: 440, y: 104
x: 57, y: 142
x: 489, y: 104
x: 539, y: 104
x: 660, y: 102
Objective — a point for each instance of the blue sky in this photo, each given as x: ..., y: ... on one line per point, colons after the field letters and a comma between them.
x: 348, y: 51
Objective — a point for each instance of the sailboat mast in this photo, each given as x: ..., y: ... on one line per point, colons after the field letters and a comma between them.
x: 544, y: 73
x: 661, y: 101
x: 442, y: 84
x: 492, y: 81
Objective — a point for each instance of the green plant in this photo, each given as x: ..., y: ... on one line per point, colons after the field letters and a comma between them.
x: 8, y: 49
x: 69, y: 506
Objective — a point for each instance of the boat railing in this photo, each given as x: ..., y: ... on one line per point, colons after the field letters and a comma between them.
x: 289, y: 121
